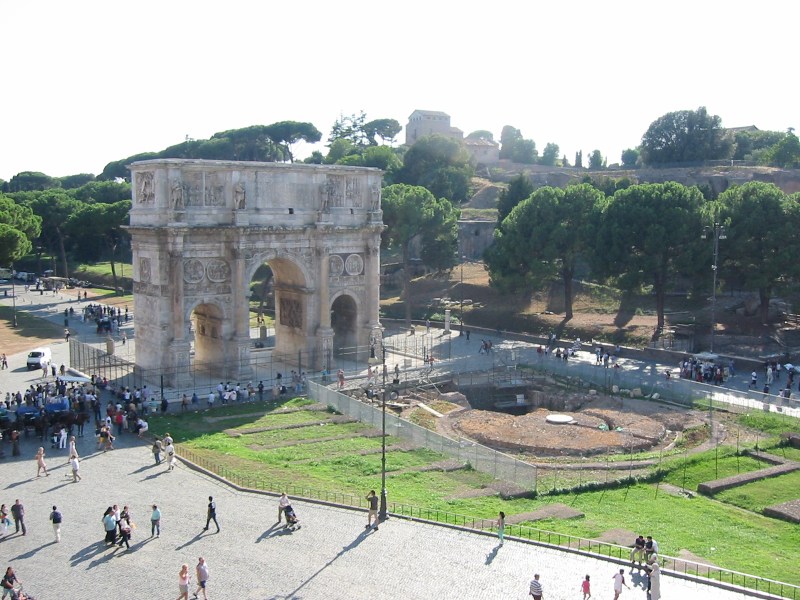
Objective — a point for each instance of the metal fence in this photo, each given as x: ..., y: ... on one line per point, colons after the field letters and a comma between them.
x: 725, y: 577
x: 481, y: 458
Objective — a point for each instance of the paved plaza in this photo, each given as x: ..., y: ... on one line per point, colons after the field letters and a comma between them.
x: 330, y: 556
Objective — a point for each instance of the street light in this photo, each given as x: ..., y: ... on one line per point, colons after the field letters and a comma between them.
x: 718, y: 232
x: 13, y: 297
x: 461, y: 287
x: 373, y: 360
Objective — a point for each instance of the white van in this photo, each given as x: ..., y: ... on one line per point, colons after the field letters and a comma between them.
x: 39, y: 358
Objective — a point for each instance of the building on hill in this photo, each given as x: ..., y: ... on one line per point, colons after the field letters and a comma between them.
x: 483, y: 151
x: 428, y: 122
x: 422, y: 123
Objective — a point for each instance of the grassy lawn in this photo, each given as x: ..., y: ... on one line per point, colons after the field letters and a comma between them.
x: 350, y: 465
x: 758, y: 495
x: 707, y: 466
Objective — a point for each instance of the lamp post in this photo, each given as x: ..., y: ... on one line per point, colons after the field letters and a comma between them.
x: 718, y: 231
x: 13, y: 297
x: 461, y: 309
x: 374, y: 361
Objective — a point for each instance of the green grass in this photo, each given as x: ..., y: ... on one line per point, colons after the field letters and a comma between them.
x: 769, y: 423
x: 345, y: 467
x: 689, y: 472
x: 758, y: 495
x: 103, y: 269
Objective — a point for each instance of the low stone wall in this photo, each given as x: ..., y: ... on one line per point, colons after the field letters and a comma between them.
x: 719, y: 485
x: 787, y: 511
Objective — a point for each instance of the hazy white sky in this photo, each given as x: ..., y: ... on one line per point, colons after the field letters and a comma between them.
x: 88, y: 82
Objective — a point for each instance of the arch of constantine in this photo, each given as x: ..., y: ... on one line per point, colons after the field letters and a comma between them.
x: 200, y: 230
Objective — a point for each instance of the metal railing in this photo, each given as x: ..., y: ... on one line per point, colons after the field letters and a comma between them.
x: 687, y: 568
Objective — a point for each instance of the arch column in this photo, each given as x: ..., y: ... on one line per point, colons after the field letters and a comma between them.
x: 324, y: 331
x: 241, y: 341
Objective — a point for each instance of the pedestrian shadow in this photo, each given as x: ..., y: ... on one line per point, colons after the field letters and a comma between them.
x: 88, y: 553
x: 31, y: 553
x: 354, y: 544
x: 153, y: 475
x: 144, y: 468
x: 492, y: 555
x: 190, y: 542
x: 639, y: 580
x: 17, y: 483
x: 267, y: 533
x: 273, y: 532
x: 63, y: 483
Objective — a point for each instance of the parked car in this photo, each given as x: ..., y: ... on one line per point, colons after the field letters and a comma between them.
x: 39, y: 358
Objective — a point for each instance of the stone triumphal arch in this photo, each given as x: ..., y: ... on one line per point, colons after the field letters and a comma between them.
x: 200, y: 230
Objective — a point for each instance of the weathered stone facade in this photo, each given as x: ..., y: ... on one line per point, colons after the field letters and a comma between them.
x: 200, y: 230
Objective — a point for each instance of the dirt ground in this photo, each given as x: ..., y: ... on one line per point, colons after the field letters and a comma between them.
x: 599, y: 312
x: 601, y: 426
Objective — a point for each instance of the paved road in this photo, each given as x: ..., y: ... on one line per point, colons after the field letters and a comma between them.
x: 329, y: 557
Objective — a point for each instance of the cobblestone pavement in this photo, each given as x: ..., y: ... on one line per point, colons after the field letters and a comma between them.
x: 330, y: 556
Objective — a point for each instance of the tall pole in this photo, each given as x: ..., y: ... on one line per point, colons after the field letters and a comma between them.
x: 382, y: 510
x: 719, y: 234
x: 461, y: 309
x: 13, y: 297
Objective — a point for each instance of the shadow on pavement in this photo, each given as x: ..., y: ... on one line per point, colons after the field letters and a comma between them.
x: 492, y: 555
x: 88, y: 552
x: 30, y: 553
x: 190, y: 542
x: 359, y: 538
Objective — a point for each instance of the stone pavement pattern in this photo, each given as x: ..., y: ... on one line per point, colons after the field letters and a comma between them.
x: 329, y: 557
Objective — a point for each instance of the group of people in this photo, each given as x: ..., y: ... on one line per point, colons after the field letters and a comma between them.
x: 118, y: 526
x: 653, y: 584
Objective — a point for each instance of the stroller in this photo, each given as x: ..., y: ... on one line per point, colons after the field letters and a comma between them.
x: 291, y: 517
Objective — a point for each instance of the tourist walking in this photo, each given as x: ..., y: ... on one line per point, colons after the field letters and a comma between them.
x: 124, y: 534
x: 75, y: 464
x: 40, y: 464
x: 183, y: 582
x: 619, y: 581
x: 501, y: 526
x: 586, y: 588
x: 169, y: 451
x: 201, y: 570
x: 73, y: 451
x: 156, y: 449
x: 4, y: 522
x: 372, y: 498
x: 655, y: 581
x: 110, y: 526
x: 155, y: 523
x: 536, y: 588
x: 18, y: 513
x: 211, y: 514
x: 55, y: 517
x: 9, y: 581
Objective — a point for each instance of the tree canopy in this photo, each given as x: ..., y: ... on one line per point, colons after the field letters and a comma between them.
x: 685, y: 136
x: 18, y: 227
x: 762, y: 245
x: 412, y: 213
x: 544, y: 236
x: 518, y: 190
x: 649, y: 234
x: 440, y: 164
